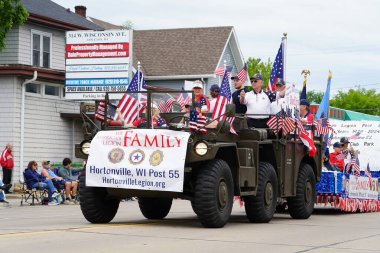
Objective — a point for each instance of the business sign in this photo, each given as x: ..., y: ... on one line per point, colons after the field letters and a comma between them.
x: 362, y: 188
x: 364, y: 137
x: 138, y: 159
x: 97, y: 62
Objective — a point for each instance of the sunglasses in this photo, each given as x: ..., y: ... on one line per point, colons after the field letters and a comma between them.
x: 255, y: 81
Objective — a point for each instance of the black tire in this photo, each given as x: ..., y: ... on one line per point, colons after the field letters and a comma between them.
x: 155, y: 208
x: 192, y: 206
x: 214, y: 193
x: 96, y: 205
x: 301, y: 206
x: 260, y: 208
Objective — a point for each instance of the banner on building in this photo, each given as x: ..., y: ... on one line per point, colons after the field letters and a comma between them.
x: 97, y: 62
x: 138, y: 159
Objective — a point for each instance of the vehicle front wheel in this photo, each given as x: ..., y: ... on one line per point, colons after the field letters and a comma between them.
x: 96, y: 205
x: 302, y: 205
x: 155, y: 208
x: 260, y: 208
x: 213, y: 196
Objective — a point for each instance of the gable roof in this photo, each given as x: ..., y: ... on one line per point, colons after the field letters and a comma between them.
x: 180, y: 52
x: 105, y: 25
x: 52, y: 11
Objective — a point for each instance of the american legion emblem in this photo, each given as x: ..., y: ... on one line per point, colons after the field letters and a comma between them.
x: 137, y: 157
x: 116, y: 155
x: 156, y: 158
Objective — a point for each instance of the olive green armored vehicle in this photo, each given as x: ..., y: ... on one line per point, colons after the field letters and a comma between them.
x: 206, y: 165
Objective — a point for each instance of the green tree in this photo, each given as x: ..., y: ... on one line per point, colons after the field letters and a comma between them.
x: 255, y: 65
x: 12, y: 13
x: 362, y: 100
x: 314, y: 97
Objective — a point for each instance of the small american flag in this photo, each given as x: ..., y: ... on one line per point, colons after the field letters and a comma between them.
x: 197, y: 122
x: 277, y: 69
x: 166, y: 104
x: 130, y: 105
x: 354, y: 166
x: 219, y: 71
x: 111, y: 111
x: 367, y: 172
x: 322, y: 126
x: 242, y: 74
x: 355, y: 136
x: 184, y: 99
x: 276, y: 122
x: 289, y: 123
x: 330, y: 140
x: 159, y: 122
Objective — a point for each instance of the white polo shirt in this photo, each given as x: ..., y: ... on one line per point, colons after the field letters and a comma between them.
x: 259, y: 103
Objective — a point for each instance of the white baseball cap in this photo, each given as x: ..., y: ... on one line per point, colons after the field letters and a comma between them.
x: 198, y: 84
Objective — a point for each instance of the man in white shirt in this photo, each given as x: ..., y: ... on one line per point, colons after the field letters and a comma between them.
x: 258, y: 103
x: 280, y: 102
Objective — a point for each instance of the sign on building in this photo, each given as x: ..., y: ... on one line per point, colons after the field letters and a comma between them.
x: 97, y: 62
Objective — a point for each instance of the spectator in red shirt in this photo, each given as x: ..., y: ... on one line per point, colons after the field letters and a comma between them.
x: 336, y: 158
x: 6, y: 161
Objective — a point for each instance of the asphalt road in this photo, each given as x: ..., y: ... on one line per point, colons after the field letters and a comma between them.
x: 53, y: 229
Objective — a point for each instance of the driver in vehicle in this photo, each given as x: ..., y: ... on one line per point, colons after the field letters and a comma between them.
x: 156, y: 119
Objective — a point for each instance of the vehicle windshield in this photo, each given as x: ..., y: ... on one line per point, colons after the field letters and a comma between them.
x: 149, y: 109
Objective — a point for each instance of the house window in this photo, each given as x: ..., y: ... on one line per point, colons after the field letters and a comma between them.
x: 33, y: 88
x: 41, y: 49
x: 52, y: 90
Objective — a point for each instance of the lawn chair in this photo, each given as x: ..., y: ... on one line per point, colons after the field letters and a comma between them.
x: 36, y: 195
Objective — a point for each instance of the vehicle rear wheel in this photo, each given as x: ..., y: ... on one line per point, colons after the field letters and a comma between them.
x: 96, y: 205
x: 155, y: 208
x: 301, y: 206
x: 213, y: 196
x: 260, y: 208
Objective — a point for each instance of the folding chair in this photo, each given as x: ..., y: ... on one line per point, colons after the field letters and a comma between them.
x: 35, y: 194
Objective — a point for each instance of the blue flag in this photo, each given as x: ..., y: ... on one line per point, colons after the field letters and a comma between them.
x: 323, y: 110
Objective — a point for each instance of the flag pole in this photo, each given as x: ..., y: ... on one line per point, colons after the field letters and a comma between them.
x: 284, y: 46
x: 139, y: 88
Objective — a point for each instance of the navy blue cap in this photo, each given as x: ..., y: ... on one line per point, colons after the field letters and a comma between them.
x: 258, y: 76
x: 235, y: 78
x: 337, y: 145
x: 214, y: 87
x: 280, y: 82
x: 344, y: 140
x: 305, y: 102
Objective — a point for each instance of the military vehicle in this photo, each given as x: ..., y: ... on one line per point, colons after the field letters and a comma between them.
x: 253, y: 164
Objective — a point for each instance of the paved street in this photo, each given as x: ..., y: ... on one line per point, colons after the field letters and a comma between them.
x: 63, y: 229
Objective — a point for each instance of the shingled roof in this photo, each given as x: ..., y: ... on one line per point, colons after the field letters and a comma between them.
x: 180, y: 52
x: 51, y: 10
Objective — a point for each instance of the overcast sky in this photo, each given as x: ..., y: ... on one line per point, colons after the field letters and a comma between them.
x: 341, y: 35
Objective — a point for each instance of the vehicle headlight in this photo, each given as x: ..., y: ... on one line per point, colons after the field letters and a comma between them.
x: 85, y: 147
x: 201, y: 148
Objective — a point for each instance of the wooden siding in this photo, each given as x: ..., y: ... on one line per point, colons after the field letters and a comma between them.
x: 58, y: 45
x: 9, y: 55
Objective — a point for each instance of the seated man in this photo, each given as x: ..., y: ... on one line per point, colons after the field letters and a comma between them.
x: 48, y: 172
x: 36, y: 180
x: 3, y: 189
x: 66, y: 173
x: 336, y: 158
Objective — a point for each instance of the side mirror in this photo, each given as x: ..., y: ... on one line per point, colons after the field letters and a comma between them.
x: 230, y: 110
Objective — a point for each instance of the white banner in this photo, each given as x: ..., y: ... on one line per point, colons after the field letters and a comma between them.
x: 364, y: 137
x: 362, y: 188
x: 144, y: 159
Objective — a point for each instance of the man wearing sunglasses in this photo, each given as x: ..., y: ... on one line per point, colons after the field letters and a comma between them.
x: 258, y: 103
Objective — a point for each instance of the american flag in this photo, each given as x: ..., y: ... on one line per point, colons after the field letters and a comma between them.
x: 289, y: 123
x: 184, y: 99
x: 159, y: 122
x: 276, y: 122
x: 322, y: 126
x: 367, y: 172
x: 166, y: 103
x: 330, y: 140
x: 299, y: 126
x: 111, y: 111
x: 130, y: 105
x: 354, y: 166
x: 277, y: 69
x: 355, y: 136
x: 222, y: 100
x: 219, y: 71
x: 242, y: 74
x: 197, y: 122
